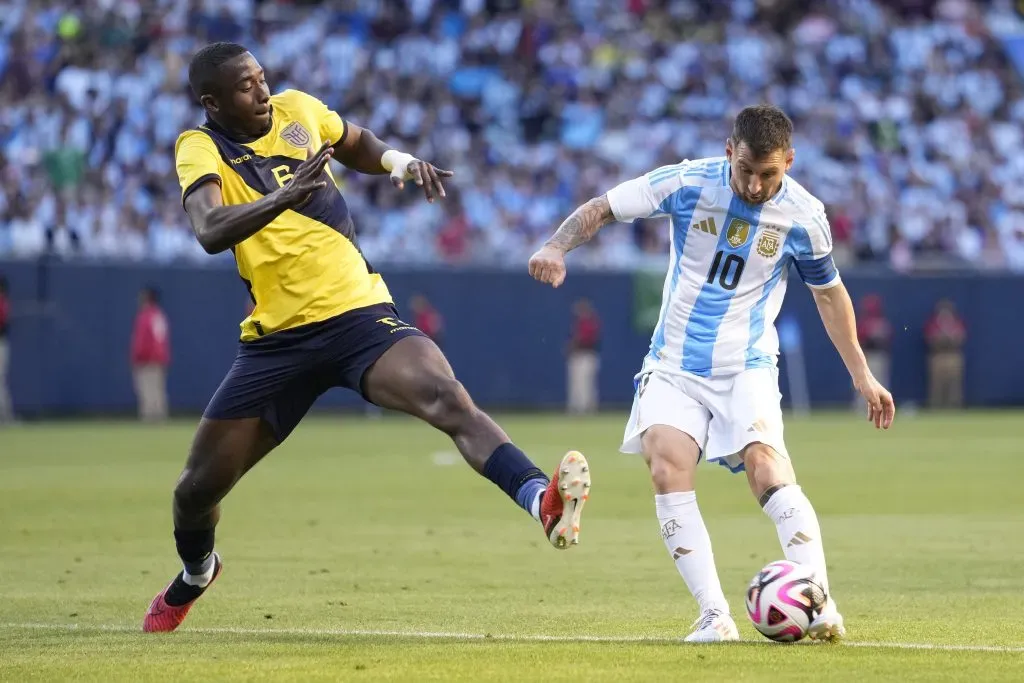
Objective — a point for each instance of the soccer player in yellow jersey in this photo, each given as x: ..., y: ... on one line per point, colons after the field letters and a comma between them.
x: 254, y: 180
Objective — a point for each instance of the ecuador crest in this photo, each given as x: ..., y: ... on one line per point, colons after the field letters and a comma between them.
x: 296, y: 135
x: 737, y: 233
x: 768, y: 244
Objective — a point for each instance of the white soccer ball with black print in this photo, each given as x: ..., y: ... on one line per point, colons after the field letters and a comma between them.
x: 783, y: 599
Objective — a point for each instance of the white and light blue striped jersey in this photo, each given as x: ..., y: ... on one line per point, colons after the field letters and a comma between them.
x: 729, y: 265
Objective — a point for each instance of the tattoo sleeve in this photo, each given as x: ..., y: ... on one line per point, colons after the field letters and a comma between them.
x: 582, y: 224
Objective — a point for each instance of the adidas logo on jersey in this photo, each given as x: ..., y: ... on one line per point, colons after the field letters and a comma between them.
x: 707, y: 225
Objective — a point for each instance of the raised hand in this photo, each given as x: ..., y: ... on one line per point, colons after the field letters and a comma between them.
x: 424, y: 175
x: 309, y: 176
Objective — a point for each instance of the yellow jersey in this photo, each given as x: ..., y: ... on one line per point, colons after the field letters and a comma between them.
x: 304, y: 266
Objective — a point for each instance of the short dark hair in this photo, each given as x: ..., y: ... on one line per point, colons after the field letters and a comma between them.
x: 204, y: 68
x: 764, y: 127
x: 151, y: 293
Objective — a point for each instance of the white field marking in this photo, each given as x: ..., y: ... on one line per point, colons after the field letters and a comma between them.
x: 445, y: 635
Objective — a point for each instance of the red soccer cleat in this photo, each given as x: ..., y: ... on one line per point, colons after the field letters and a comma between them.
x: 562, y: 504
x: 162, y: 618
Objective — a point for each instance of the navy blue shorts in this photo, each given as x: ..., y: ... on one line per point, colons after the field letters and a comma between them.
x: 278, y: 377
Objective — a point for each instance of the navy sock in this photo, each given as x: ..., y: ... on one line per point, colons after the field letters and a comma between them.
x: 514, y: 473
x: 194, y: 549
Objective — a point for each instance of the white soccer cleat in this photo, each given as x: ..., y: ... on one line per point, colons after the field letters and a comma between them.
x: 713, y: 626
x: 828, y: 625
x: 563, y: 501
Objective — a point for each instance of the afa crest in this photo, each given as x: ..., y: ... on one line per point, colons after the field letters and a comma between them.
x: 737, y: 233
x: 768, y: 244
x: 295, y: 134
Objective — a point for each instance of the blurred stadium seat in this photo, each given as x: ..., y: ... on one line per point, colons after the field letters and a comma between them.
x: 908, y: 121
x: 908, y: 116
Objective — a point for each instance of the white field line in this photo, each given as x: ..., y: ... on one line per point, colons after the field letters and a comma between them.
x: 445, y: 635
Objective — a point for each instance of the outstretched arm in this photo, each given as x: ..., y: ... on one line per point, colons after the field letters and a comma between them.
x: 582, y: 224
x: 548, y: 264
x: 363, y: 151
x: 836, y: 312
x: 632, y: 199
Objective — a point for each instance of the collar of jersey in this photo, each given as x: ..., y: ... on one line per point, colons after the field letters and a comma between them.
x: 777, y: 197
x: 241, y: 139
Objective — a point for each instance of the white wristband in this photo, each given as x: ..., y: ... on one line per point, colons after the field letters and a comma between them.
x: 397, y: 163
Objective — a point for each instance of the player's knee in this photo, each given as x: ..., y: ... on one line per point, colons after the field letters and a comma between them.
x: 451, y: 403
x: 766, y: 468
x: 186, y: 492
x: 671, y: 459
x: 198, y: 489
x: 666, y: 473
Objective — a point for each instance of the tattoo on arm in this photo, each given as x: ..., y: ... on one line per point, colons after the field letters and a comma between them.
x: 583, y: 224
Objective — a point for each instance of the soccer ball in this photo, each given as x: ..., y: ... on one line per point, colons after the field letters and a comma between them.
x: 783, y: 599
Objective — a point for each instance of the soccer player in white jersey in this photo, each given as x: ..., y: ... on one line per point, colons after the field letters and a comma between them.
x: 709, y: 385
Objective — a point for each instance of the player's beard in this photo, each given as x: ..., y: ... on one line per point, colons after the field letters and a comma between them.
x: 764, y: 196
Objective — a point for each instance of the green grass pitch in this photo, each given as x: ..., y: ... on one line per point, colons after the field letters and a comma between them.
x: 362, y: 550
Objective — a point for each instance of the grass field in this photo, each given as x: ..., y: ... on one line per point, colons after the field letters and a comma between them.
x: 361, y: 550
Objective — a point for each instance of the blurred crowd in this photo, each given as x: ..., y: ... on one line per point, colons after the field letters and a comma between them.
x: 908, y: 116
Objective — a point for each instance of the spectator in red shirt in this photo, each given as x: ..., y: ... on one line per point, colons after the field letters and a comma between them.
x: 6, y: 407
x: 150, y: 356
x: 426, y: 318
x: 584, y: 359
x: 842, y: 235
x: 875, y: 335
x: 453, y: 239
x: 945, y: 334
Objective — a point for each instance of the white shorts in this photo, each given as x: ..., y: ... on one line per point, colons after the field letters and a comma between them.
x: 722, y: 414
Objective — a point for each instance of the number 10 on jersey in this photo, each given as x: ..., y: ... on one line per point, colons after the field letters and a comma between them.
x: 728, y: 268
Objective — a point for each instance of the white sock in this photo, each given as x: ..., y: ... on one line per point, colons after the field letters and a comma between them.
x: 798, y: 529
x: 689, y: 545
x: 204, y: 578
x: 535, y: 505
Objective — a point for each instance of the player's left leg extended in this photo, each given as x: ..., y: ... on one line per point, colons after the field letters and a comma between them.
x: 414, y: 377
x: 773, y: 483
x: 747, y: 433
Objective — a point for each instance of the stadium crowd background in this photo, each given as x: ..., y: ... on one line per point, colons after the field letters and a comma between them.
x: 908, y: 116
